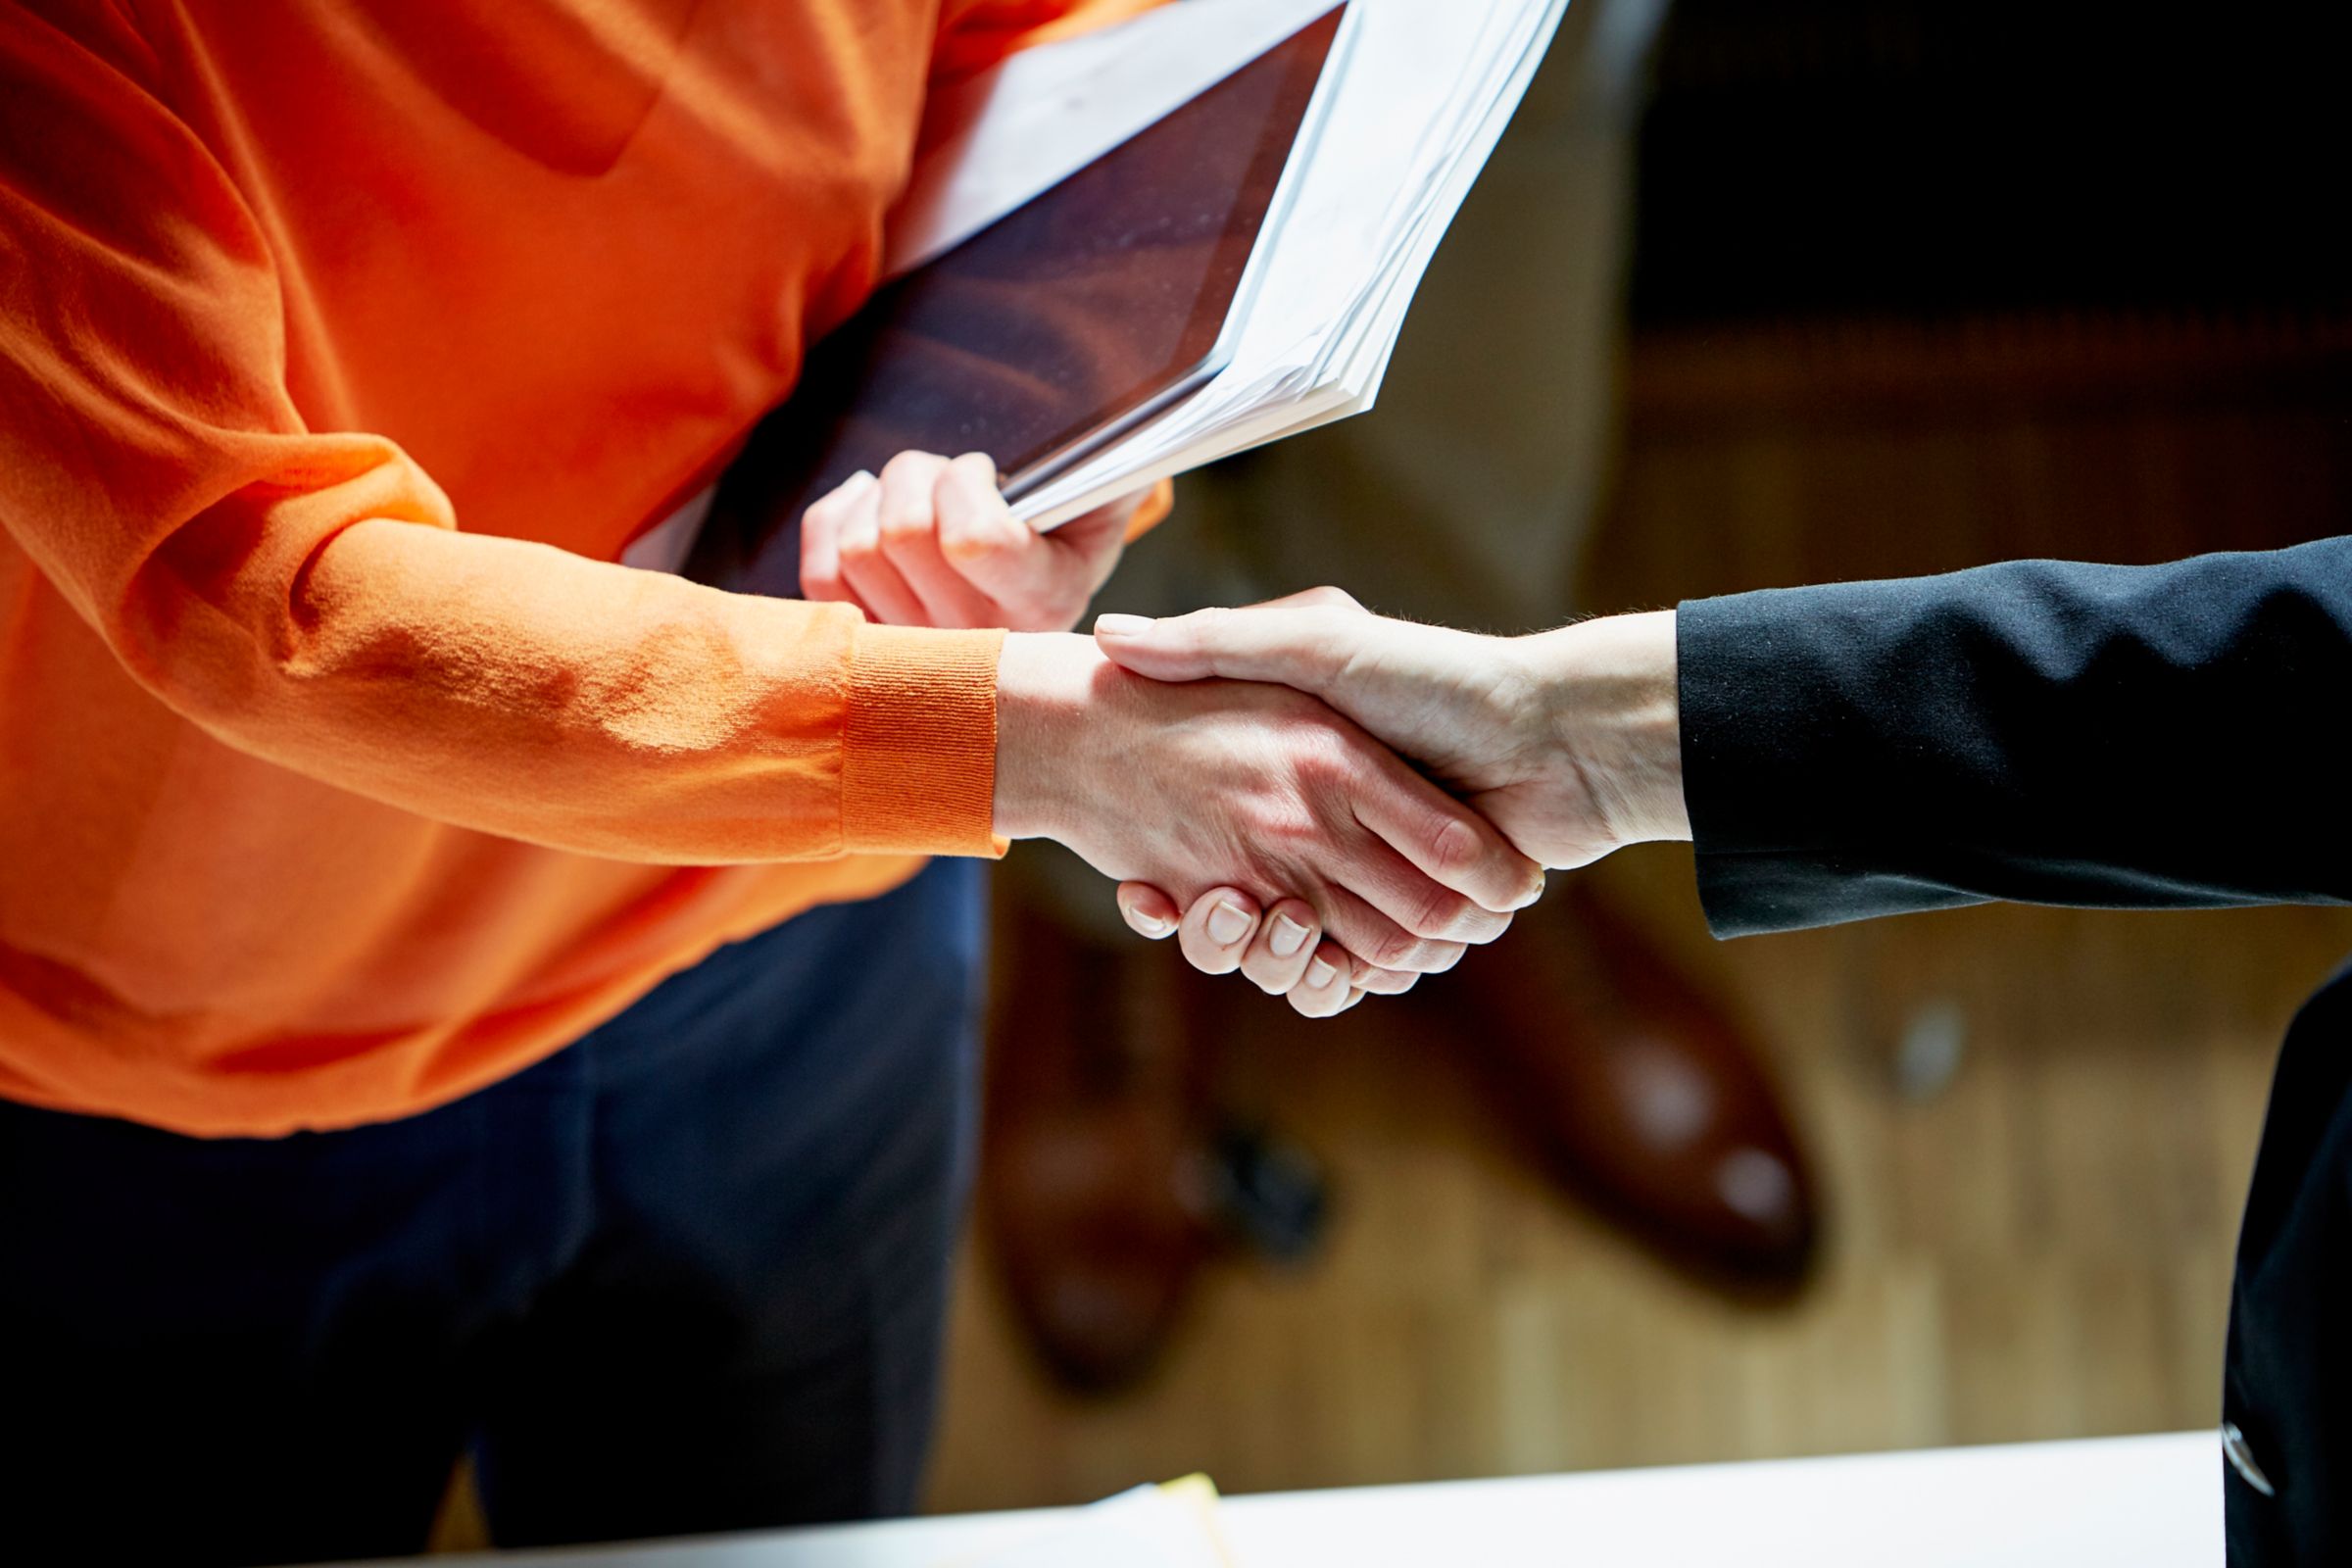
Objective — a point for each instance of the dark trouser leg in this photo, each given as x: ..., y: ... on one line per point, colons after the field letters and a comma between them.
x: 249, y: 1351
x: 697, y: 1264
x: 750, y: 1334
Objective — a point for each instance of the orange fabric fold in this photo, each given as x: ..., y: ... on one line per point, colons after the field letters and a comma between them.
x: 342, y: 349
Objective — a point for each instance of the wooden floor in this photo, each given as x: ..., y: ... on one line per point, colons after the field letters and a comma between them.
x: 2039, y: 1249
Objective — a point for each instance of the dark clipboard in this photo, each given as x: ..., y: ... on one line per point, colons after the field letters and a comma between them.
x: 1047, y: 334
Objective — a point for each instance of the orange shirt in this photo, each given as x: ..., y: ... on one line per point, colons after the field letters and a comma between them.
x: 343, y: 347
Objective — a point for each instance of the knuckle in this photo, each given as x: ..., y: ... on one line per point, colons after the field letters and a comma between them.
x: 1284, y: 826
x: 1455, y: 846
x: 962, y: 543
x: 1389, y: 949
x: 1324, y: 757
x: 976, y: 528
x: 903, y: 529
x: 909, y: 465
x: 960, y: 519
x: 1439, y: 911
x: 1200, y: 631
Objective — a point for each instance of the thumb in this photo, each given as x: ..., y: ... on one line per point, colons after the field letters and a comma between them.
x: 1300, y: 646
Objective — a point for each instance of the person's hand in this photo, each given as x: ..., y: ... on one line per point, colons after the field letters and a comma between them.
x: 1567, y: 741
x: 931, y: 543
x: 1279, y: 950
x: 1263, y: 795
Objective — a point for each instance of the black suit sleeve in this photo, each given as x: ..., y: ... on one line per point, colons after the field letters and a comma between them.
x: 2149, y: 737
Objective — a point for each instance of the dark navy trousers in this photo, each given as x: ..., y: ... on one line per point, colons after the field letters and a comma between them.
x: 688, y: 1274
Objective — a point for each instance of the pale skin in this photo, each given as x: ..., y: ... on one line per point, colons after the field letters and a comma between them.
x: 929, y: 542
x: 1567, y: 741
x: 1253, y: 805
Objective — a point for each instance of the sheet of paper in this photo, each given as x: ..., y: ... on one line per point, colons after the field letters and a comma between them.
x: 1426, y: 92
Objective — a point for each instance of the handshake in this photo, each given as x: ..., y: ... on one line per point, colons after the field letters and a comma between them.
x: 1266, y: 783
x: 1332, y: 803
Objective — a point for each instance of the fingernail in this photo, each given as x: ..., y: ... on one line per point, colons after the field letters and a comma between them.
x: 1288, y: 937
x: 1151, y: 925
x: 1228, y: 923
x: 1122, y: 625
x: 858, y: 481
x: 1319, y: 974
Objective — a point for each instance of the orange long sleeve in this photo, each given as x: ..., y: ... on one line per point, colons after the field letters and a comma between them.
x: 342, y: 350
x: 308, y: 598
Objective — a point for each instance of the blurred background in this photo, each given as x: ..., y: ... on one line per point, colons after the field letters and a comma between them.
x: 1757, y: 292
x: 1885, y: 287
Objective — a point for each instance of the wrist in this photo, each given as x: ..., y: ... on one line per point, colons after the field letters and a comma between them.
x: 1610, y: 711
x: 1046, y: 684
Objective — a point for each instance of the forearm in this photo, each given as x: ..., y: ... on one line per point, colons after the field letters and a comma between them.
x: 306, y: 594
x: 524, y: 691
x: 2141, y: 737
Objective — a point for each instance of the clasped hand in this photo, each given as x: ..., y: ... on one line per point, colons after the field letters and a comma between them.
x: 1568, y: 742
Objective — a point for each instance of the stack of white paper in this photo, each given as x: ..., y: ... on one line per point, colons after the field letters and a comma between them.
x: 1418, y: 99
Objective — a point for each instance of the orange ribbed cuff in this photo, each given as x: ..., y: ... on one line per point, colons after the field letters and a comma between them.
x: 918, y: 751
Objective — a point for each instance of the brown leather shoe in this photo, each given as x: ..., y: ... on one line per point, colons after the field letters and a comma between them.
x: 1095, y: 1143
x: 1640, y: 1094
